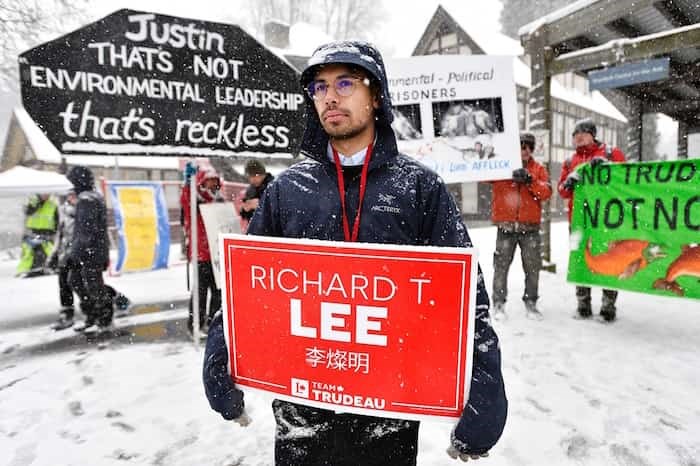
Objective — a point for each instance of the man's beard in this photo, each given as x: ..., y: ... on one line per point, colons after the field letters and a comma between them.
x: 345, y: 134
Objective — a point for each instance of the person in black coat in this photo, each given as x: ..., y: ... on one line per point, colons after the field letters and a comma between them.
x: 258, y: 179
x: 349, y: 127
x: 88, y: 255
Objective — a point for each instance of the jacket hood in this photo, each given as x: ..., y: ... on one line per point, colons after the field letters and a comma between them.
x: 81, y: 178
x: 204, y: 174
x: 367, y: 57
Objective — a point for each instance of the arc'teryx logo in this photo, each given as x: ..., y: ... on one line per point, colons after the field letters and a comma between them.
x: 387, y: 199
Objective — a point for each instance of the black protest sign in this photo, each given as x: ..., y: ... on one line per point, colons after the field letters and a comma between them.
x: 143, y: 83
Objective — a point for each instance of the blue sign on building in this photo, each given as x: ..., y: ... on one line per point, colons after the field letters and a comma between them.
x: 628, y: 74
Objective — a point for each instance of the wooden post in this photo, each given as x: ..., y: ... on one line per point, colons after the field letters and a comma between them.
x: 540, y: 119
x: 682, y: 140
x: 194, y: 210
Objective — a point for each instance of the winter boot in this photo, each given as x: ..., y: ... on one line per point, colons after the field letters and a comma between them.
x: 65, y: 319
x: 583, y: 295
x: 532, y: 312
x: 88, y: 325
x: 607, y: 310
x: 499, y: 311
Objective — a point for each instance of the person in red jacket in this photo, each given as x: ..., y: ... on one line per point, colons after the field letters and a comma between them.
x: 588, y: 150
x: 208, y: 190
x: 517, y: 211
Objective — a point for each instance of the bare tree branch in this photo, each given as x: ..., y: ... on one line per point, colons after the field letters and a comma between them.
x: 25, y: 24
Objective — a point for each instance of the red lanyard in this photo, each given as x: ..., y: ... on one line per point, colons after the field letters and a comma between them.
x: 341, y: 189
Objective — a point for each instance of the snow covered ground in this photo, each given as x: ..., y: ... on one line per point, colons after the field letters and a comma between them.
x: 581, y: 392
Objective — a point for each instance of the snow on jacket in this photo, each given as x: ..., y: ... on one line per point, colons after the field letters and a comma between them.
x: 519, y: 203
x: 585, y: 154
x: 404, y: 203
x: 90, y: 246
x: 204, y: 196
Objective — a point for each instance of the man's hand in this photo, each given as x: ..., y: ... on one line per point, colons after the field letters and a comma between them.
x: 595, y: 161
x: 571, y: 181
x: 455, y: 454
x: 250, y: 204
x: 521, y: 176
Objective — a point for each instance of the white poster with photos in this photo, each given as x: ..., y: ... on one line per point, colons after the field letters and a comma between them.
x: 457, y: 114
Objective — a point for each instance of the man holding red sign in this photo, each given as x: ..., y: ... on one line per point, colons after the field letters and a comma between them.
x: 356, y: 187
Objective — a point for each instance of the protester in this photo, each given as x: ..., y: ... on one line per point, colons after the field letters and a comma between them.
x: 353, y: 167
x: 258, y: 179
x: 208, y: 191
x: 516, y: 210
x: 88, y: 255
x: 59, y: 261
x: 588, y: 150
x: 40, y: 225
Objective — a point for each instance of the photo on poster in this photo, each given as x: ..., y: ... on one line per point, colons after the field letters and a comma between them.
x: 469, y: 118
x: 407, y: 122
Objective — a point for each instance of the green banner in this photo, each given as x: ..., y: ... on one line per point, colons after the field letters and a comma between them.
x: 636, y: 226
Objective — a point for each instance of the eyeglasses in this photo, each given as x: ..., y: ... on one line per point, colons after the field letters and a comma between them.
x: 344, y: 86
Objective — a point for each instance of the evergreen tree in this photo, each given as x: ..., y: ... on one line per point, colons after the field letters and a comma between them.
x: 517, y: 13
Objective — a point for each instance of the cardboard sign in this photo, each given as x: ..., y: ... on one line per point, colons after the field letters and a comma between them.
x: 457, y: 114
x: 219, y: 217
x: 380, y: 330
x: 143, y: 83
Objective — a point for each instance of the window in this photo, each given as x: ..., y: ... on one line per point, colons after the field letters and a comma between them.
x: 449, y: 40
x: 581, y: 84
x: 569, y: 130
x: 434, y: 45
x: 465, y: 50
x: 558, y: 129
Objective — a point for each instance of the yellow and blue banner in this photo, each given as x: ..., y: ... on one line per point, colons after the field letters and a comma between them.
x: 141, y: 218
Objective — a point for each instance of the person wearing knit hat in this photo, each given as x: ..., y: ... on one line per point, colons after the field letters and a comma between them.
x: 588, y: 150
x: 208, y: 191
x: 258, y: 179
x: 88, y: 255
x: 516, y: 210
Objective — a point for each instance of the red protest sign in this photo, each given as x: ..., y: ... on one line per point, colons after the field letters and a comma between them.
x: 381, y: 330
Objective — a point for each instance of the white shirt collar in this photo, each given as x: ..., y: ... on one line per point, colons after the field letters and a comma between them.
x: 358, y: 158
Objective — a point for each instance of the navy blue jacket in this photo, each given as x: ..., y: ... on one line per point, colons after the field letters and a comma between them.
x: 405, y: 203
x: 90, y: 245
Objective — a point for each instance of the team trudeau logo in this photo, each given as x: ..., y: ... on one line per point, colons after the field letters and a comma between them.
x: 387, y: 200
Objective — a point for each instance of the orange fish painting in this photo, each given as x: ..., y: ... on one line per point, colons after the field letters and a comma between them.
x: 687, y: 264
x: 623, y: 258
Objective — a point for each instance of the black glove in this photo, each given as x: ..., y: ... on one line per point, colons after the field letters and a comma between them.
x: 522, y: 176
x: 571, y: 181
x: 595, y: 161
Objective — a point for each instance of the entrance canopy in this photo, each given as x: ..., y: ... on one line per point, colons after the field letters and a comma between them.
x: 19, y: 181
x: 592, y: 35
